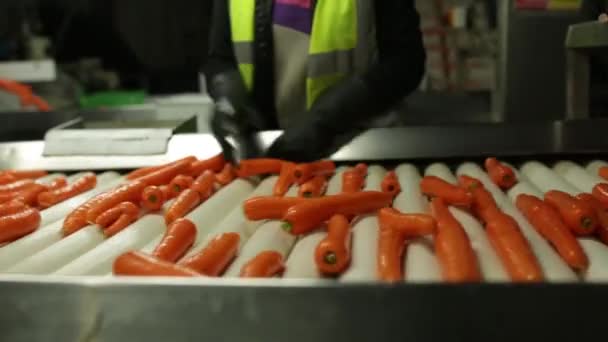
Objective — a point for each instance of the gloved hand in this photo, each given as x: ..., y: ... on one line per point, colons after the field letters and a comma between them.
x: 302, y: 143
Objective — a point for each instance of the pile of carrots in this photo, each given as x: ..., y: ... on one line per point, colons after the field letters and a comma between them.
x: 22, y: 197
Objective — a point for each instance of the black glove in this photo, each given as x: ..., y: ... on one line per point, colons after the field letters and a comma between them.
x: 302, y: 143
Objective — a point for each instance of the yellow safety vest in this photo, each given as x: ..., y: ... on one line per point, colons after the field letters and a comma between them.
x: 342, y: 42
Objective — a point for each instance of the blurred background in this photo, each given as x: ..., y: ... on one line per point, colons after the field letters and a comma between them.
x: 487, y: 60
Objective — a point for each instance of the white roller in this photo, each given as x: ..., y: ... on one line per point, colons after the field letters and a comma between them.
x: 489, y: 263
x: 50, y: 232
x: 442, y: 171
x: 235, y: 222
x: 105, y: 181
x: 577, y: 176
x: 545, y: 179
x: 59, y: 254
x: 75, y: 176
x: 419, y: 261
x: 98, y: 261
x: 596, y: 252
x: 268, y: 237
x: 207, y: 215
x: 594, y: 166
x: 365, y: 237
x: 301, y: 263
x: 554, y: 268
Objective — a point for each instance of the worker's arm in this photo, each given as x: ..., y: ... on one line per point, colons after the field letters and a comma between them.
x: 593, y: 10
x: 349, y: 105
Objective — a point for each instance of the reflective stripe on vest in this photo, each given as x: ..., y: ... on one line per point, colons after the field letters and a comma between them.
x: 341, y: 42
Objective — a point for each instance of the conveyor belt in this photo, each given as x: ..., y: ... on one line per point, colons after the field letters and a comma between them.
x: 88, y: 252
x: 64, y: 286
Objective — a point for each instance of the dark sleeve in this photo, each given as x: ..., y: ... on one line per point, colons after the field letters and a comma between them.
x: 395, y: 73
x: 591, y: 9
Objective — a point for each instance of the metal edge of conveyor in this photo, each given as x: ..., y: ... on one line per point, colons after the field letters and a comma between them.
x: 585, y: 137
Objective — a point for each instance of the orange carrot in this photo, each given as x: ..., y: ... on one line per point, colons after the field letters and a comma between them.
x: 265, y: 265
x: 215, y: 258
x: 408, y: 225
x: 77, y: 219
x: 501, y: 175
x: 362, y: 168
x: 204, y: 184
x: 390, y: 184
x: 285, y: 180
x: 306, y: 216
x: 482, y: 198
x: 304, y: 172
x: 118, y: 218
x: 453, y: 248
x: 179, y: 237
x: 452, y: 195
x: 139, y: 264
x: 152, y: 198
x: 549, y: 224
x: 215, y: 164
x: 6, y: 178
x: 29, y: 195
x: 57, y: 183
x: 86, y: 182
x: 150, y: 169
x: 352, y: 181
x: 602, y: 215
x: 313, y: 188
x: 391, y: 245
x: 577, y: 215
x: 227, y: 175
x: 179, y: 184
x: 166, y: 174
x: 16, y: 186
x: 130, y: 192
x: 19, y: 224
x: 269, y: 207
x: 600, y: 191
x: 259, y: 166
x: 512, y: 248
x: 332, y: 254
x: 27, y: 174
x: 184, y: 203
x: 12, y: 207
x: 603, y: 172
x: 123, y: 222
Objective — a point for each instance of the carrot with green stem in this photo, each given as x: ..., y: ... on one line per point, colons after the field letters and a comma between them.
x: 152, y: 198
x: 332, y: 254
x: 179, y: 184
x: 602, y: 215
x: 577, y: 215
x: 501, y: 174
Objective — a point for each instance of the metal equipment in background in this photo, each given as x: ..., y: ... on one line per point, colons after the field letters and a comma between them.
x: 583, y: 42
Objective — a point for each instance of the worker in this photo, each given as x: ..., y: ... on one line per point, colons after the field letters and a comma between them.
x: 320, y: 70
x: 595, y: 9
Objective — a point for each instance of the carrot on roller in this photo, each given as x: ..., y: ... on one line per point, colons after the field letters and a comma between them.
x: 501, y: 174
x: 150, y: 169
x: 269, y: 207
x: 603, y: 172
x: 213, y: 260
x: 77, y: 219
x: 306, y: 216
x: 118, y: 218
x: 433, y: 186
x: 362, y: 168
x: 27, y: 174
x: 390, y: 184
x: 332, y: 254
x: 285, y: 180
x: 179, y: 184
x: 139, y: 264
x: 215, y: 164
x: 178, y: 238
x: 602, y: 215
x: 16, y: 186
x: 152, y: 198
x: 482, y: 198
x: 19, y: 224
x: 453, y: 248
x: 409, y: 225
x: 227, y: 175
x: 258, y: 166
x: 577, y: 215
x: 549, y: 224
x: 264, y: 265
x: 12, y: 207
x: 6, y: 178
x: 315, y: 187
x: 352, y: 181
x: 166, y: 174
x: 130, y: 192
x: 600, y: 191
x: 391, y: 245
x: 49, y: 198
x: 204, y: 184
x: 305, y: 171
x: 184, y: 203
